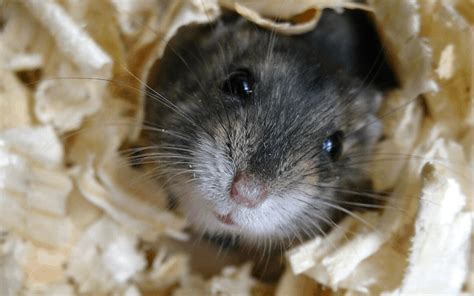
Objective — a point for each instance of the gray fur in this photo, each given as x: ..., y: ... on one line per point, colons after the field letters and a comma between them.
x: 307, y: 87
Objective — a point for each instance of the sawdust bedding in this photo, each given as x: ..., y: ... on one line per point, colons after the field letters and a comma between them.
x: 71, y: 223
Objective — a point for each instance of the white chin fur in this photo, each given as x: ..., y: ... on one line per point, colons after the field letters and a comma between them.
x: 273, y: 219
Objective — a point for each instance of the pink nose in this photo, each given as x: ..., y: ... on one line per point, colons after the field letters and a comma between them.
x: 247, y: 191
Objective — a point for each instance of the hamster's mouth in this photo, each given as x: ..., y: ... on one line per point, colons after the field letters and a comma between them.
x: 225, y: 219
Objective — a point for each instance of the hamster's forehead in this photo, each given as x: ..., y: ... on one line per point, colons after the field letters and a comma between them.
x: 275, y: 61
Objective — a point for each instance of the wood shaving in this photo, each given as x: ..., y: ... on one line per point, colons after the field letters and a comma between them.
x: 268, y: 14
x: 73, y: 221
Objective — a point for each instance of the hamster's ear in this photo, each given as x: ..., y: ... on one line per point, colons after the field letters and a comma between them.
x: 351, y: 40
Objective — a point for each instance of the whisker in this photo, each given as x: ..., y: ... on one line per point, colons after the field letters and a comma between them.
x: 381, y: 196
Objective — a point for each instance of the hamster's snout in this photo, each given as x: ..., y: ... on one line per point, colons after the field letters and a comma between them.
x: 247, y: 190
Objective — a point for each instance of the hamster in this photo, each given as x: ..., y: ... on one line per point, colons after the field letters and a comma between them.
x: 255, y: 131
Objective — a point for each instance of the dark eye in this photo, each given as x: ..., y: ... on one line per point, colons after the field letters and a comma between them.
x: 333, y: 145
x: 239, y: 84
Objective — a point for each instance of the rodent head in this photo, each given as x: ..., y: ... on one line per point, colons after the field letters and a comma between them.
x: 262, y: 131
